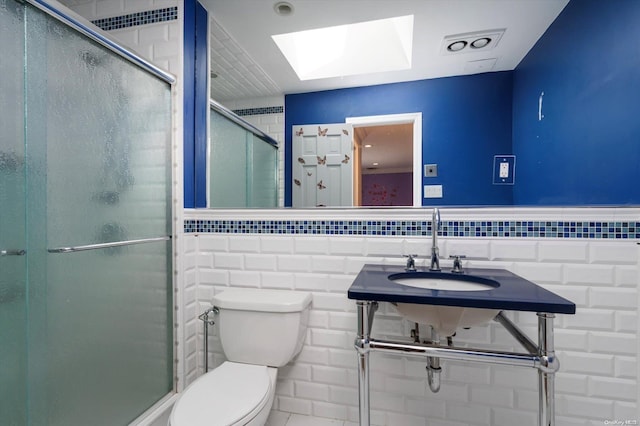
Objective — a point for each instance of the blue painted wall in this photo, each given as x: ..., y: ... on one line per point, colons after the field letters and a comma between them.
x: 466, y: 121
x: 586, y: 147
x: 189, y: 96
x: 196, y: 103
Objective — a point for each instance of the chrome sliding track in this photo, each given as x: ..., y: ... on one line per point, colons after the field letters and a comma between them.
x: 75, y: 22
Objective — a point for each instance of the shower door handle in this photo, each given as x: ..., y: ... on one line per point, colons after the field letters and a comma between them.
x: 12, y: 252
x: 98, y: 246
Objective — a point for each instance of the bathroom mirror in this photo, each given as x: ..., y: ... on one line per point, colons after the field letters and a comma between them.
x: 247, y: 155
x: 556, y: 129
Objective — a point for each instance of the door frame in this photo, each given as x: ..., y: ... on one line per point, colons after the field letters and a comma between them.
x: 415, y: 118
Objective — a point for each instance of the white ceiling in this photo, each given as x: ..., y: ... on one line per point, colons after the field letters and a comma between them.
x: 248, y: 64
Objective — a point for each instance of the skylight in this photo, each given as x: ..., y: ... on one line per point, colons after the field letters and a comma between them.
x: 363, y: 48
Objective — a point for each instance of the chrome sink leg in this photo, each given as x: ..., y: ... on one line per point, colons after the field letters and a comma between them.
x: 365, y: 312
x: 546, y: 372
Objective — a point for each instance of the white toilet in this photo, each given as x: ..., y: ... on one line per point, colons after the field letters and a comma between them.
x: 260, y: 330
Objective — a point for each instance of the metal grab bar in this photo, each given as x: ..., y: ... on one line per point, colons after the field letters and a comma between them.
x: 107, y: 245
x: 12, y: 252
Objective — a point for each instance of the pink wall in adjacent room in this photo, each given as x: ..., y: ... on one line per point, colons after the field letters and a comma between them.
x: 387, y: 189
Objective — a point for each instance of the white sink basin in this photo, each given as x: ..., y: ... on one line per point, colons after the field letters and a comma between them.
x: 444, y: 319
x: 441, y: 284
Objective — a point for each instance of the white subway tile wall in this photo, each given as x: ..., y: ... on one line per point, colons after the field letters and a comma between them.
x: 597, y: 347
x: 159, y: 43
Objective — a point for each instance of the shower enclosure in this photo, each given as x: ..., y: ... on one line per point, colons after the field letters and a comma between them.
x: 242, y: 163
x: 85, y: 224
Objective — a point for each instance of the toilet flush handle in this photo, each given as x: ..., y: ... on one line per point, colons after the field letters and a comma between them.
x: 205, y: 315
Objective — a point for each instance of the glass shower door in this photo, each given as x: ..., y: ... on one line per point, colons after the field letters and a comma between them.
x: 85, y: 222
x: 13, y: 308
x: 242, y: 167
x: 227, y: 163
x: 98, y: 131
x: 262, y: 160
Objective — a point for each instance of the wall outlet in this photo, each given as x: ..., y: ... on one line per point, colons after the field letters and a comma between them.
x: 433, y: 191
x: 504, y: 170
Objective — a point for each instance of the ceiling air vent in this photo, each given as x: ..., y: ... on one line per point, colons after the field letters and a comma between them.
x: 478, y: 41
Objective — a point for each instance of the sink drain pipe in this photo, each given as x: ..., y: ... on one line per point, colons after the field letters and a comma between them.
x: 204, y: 317
x: 433, y: 365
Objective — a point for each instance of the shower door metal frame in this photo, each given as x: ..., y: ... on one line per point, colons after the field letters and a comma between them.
x: 75, y: 21
x: 230, y: 115
x: 78, y: 23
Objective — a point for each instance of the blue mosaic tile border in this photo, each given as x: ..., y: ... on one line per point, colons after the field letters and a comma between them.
x: 519, y: 229
x: 138, y: 18
x: 260, y: 111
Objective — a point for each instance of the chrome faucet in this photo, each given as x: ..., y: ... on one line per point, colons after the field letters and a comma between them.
x: 457, y: 264
x: 435, y: 226
x: 411, y: 262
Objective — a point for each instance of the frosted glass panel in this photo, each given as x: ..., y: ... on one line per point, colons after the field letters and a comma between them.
x: 242, y: 167
x: 110, y: 351
x: 262, y: 171
x: 13, y: 345
x: 85, y: 338
x: 98, y: 133
x: 227, y: 163
x: 108, y: 132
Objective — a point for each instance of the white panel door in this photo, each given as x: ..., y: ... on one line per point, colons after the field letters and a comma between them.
x: 322, y: 166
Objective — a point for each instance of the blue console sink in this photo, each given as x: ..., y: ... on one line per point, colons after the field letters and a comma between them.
x: 447, y: 301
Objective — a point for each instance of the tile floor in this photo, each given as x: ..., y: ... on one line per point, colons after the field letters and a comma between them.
x: 280, y: 418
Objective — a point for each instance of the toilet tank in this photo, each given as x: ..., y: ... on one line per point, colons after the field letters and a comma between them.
x: 263, y: 327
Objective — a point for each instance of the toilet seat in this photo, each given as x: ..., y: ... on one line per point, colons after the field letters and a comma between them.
x: 231, y: 394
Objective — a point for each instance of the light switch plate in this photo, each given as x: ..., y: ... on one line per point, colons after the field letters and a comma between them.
x: 433, y: 191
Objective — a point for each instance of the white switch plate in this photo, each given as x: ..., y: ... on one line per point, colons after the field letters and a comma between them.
x: 433, y: 191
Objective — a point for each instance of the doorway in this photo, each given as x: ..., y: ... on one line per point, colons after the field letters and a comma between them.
x: 387, y: 160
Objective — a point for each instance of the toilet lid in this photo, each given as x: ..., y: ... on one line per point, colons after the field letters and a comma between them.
x: 222, y: 396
